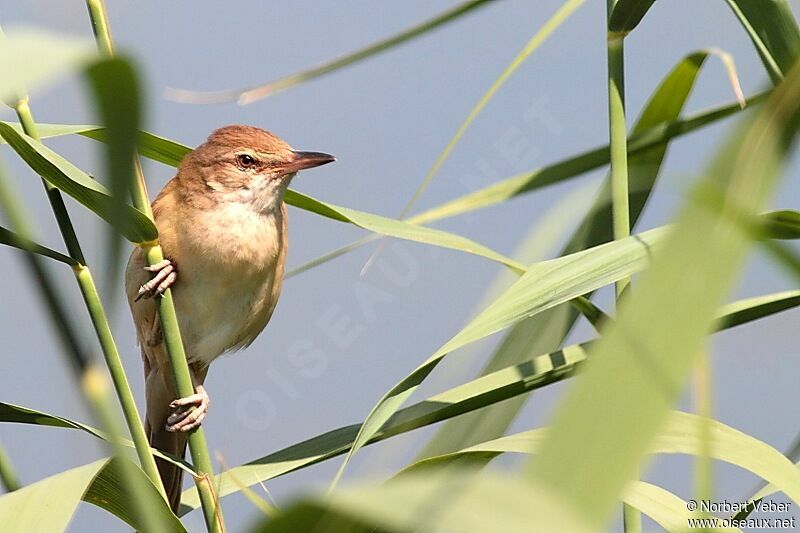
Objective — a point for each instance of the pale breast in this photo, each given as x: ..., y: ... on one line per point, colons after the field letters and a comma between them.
x: 230, y: 273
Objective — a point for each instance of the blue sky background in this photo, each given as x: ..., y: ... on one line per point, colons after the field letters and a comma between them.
x: 338, y: 341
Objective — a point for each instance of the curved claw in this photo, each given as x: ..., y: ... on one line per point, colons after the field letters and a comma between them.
x: 165, y: 277
x: 189, y: 412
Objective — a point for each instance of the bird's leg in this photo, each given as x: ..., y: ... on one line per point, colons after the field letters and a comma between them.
x: 189, y: 412
x: 165, y: 275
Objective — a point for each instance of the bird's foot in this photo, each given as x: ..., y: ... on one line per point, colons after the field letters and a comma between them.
x: 188, y: 412
x: 166, y: 274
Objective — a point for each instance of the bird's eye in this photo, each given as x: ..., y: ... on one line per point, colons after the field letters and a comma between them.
x: 246, y: 161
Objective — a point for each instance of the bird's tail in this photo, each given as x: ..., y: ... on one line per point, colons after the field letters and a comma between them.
x: 159, y: 395
x: 173, y: 443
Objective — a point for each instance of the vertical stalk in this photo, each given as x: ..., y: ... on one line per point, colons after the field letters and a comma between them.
x: 618, y: 143
x: 704, y: 473
x: 618, y: 140
x: 8, y: 476
x: 166, y: 312
x: 97, y: 314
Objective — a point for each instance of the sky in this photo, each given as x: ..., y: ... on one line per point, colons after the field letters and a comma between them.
x: 339, y: 340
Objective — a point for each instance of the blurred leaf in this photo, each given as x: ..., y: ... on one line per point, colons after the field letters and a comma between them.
x: 545, y: 332
x: 30, y: 58
x: 10, y: 238
x: 116, y: 99
x: 8, y: 474
x: 682, y: 433
x: 638, y: 369
x: 134, y: 225
x: 25, y: 510
x: 773, y: 29
x: 474, y: 503
x: 543, y: 286
x: 783, y: 224
x: 48, y: 505
x: 252, y: 94
x: 627, y: 14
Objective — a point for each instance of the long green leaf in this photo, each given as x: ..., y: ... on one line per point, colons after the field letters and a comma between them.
x: 627, y: 14
x: 639, y: 367
x: 773, y: 29
x: 10, y: 238
x: 252, y: 94
x: 17, y: 414
x: 62, y: 174
x: 546, y: 332
x: 783, y: 224
x: 397, y: 228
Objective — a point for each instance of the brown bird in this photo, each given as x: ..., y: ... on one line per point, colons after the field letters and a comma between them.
x: 222, y: 224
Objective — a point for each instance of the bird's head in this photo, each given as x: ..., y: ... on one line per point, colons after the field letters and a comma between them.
x: 245, y: 164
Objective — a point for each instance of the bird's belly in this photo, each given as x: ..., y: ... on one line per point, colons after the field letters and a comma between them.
x: 218, y: 314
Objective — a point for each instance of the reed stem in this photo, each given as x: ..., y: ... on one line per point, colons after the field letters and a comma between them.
x: 618, y: 145
x: 166, y: 311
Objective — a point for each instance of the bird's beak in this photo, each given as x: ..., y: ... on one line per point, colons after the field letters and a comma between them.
x: 303, y: 160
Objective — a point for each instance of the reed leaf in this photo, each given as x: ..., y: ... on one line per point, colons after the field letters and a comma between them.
x: 59, y: 172
x: 773, y: 30
x: 627, y: 14
x: 15, y: 240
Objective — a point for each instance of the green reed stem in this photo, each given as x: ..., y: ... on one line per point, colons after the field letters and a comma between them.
x: 97, y: 315
x: 618, y: 145
x: 704, y: 468
x: 166, y: 312
x: 618, y: 140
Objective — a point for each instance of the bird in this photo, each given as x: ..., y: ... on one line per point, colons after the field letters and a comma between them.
x: 222, y: 227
